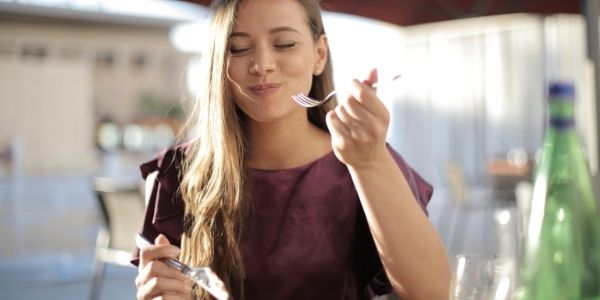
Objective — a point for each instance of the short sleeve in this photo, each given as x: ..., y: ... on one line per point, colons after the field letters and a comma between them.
x: 420, y: 188
x: 370, y: 267
x: 165, y: 208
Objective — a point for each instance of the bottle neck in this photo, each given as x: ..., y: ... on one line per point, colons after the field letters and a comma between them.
x: 562, y: 114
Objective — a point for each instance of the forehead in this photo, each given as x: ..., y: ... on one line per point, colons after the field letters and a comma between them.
x: 262, y: 15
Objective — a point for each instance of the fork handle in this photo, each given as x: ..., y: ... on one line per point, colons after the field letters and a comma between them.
x: 142, y: 242
x: 386, y: 81
x: 173, y: 263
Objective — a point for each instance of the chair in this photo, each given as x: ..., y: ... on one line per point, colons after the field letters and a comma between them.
x: 11, y: 159
x: 122, y: 207
x: 463, y: 202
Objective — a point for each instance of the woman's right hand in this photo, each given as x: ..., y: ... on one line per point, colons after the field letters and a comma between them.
x: 157, y: 280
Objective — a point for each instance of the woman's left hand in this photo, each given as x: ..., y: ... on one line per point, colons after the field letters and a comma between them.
x: 359, y: 124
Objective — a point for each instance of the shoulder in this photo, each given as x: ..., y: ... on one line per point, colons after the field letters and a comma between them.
x: 167, y: 161
x: 164, y: 171
x: 167, y: 166
x: 165, y: 206
x: 165, y: 200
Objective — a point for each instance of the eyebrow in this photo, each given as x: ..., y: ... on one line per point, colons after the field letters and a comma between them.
x: 272, y: 31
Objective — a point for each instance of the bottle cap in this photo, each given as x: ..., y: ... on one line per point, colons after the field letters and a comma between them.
x: 562, y: 90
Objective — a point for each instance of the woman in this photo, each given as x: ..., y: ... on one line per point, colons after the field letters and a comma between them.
x: 284, y: 202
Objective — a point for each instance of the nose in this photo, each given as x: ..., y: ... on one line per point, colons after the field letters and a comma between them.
x: 262, y: 62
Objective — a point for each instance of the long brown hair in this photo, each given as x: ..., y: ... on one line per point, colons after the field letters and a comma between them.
x: 214, y: 185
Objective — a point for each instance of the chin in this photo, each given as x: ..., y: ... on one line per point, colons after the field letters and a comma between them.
x: 271, y: 114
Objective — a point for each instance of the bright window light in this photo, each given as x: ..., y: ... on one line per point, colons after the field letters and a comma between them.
x: 189, y: 37
x: 370, y: 44
x: 155, y: 8
x: 160, y: 9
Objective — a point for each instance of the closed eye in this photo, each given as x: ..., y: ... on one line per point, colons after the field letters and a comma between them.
x: 285, y: 45
x: 238, y: 51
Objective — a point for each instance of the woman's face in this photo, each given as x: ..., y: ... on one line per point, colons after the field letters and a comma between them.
x: 272, y: 56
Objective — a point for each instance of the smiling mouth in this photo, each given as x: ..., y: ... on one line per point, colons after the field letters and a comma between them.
x: 264, y: 90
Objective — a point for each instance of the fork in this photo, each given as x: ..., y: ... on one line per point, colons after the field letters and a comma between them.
x: 307, y: 101
x: 204, y: 277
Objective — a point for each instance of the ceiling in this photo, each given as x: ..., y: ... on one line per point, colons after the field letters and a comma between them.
x: 413, y: 12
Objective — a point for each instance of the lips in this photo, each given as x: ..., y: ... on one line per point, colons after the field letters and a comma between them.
x: 263, y: 90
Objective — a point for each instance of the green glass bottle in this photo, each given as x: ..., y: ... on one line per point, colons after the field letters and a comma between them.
x: 562, y: 246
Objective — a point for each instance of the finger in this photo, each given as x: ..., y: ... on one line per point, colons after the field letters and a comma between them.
x: 152, y: 253
x: 170, y: 297
x: 335, y: 126
x: 162, y: 250
x: 177, y: 296
x: 359, y: 132
x: 161, y: 286
x: 366, y: 126
x: 346, y: 118
x: 367, y: 97
x: 147, y: 292
x: 144, y: 252
x: 372, y: 78
x: 358, y: 112
x: 161, y: 239
x: 158, y: 268
x: 339, y: 133
x: 138, y: 281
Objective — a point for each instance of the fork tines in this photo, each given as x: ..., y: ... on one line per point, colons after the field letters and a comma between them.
x: 305, y: 101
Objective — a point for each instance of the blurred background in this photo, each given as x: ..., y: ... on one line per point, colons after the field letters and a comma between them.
x: 89, y: 89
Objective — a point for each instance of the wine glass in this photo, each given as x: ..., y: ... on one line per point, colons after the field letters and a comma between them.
x: 473, y: 278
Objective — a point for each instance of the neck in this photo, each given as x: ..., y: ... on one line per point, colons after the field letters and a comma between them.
x: 286, y: 143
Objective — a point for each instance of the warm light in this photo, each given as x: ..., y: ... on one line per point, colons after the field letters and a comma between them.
x: 109, y: 136
x: 189, y: 37
x: 460, y: 268
x: 381, y: 46
x: 517, y: 157
x: 503, y: 217
x: 194, y: 75
x: 123, y: 258
x: 503, y: 289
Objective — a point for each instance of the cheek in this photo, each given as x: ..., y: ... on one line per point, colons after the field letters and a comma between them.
x: 234, y: 68
x: 300, y: 68
x: 297, y: 65
x: 235, y: 79
x: 239, y: 99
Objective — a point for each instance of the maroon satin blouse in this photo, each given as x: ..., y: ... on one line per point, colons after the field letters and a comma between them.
x: 307, y: 236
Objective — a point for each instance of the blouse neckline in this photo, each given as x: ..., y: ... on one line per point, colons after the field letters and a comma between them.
x: 303, y: 167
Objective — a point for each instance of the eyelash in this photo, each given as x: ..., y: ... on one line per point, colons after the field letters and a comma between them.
x: 235, y: 51
x: 238, y: 51
x: 285, y: 46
